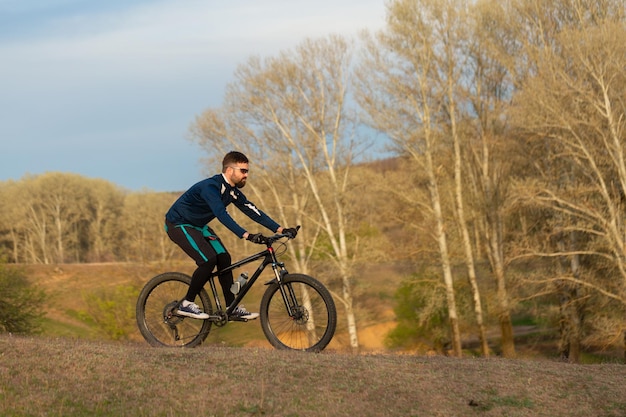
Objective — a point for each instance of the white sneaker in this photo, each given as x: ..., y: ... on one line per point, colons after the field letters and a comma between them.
x: 240, y: 313
x: 191, y: 310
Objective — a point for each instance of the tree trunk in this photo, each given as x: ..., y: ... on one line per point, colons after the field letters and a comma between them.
x: 350, y: 316
x: 467, y: 244
x: 507, y: 342
x: 445, y: 258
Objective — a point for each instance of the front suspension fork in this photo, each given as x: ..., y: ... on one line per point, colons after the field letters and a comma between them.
x: 286, y: 290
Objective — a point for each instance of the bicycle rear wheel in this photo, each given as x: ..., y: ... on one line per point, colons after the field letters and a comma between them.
x: 313, y: 320
x: 156, y: 317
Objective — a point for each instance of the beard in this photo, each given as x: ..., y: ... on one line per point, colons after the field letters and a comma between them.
x: 241, y: 183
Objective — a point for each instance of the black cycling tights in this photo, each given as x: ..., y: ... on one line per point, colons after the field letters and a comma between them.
x: 201, y: 276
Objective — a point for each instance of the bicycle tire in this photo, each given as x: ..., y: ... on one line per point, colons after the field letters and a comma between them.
x: 158, y: 298
x: 312, y: 327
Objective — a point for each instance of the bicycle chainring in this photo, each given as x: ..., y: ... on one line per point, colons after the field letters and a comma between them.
x: 220, y: 320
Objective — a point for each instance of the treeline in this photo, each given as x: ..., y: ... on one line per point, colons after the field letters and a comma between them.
x: 509, y: 122
x: 65, y: 218
x: 57, y: 218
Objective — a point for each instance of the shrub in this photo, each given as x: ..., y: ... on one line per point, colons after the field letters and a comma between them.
x: 422, y: 316
x: 113, y: 311
x: 21, y: 307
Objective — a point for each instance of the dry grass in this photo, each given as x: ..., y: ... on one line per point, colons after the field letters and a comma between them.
x: 68, y: 377
x: 68, y: 285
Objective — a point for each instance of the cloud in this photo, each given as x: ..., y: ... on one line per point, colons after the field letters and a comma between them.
x: 170, y: 29
x: 82, y: 75
x: 164, y: 42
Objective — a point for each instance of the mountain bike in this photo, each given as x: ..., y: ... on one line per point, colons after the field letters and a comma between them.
x: 297, y: 311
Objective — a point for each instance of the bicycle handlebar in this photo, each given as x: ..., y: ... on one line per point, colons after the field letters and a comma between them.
x: 269, y: 240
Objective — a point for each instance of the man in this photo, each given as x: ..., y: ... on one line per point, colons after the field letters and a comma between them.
x: 186, y: 224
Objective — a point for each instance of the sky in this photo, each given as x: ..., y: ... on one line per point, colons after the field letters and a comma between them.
x: 109, y: 89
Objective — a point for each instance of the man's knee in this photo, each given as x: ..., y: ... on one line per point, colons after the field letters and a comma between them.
x: 206, y: 268
x: 223, y: 260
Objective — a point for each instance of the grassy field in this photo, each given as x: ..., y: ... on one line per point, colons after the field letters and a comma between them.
x: 69, y: 286
x: 42, y: 376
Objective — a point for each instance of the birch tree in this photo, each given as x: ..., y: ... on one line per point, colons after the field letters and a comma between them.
x: 36, y: 225
x: 398, y: 90
x: 490, y: 150
x: 291, y: 111
x: 223, y: 129
x: 143, y: 237
x: 452, y: 31
x: 104, y: 208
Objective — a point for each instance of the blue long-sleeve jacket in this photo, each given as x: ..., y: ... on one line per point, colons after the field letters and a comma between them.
x: 208, y: 199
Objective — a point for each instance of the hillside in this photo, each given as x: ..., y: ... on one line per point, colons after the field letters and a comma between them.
x: 70, y: 286
x: 68, y: 377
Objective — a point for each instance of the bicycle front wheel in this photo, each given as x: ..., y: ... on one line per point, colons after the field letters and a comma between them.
x: 298, y: 314
x: 156, y: 312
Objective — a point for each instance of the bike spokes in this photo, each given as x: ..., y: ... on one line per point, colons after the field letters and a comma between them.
x: 302, y: 316
x: 156, y: 313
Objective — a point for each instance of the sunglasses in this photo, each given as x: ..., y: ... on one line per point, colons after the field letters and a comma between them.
x: 243, y: 170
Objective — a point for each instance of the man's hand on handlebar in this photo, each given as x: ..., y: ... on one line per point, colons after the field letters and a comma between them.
x: 257, y: 238
x: 291, y: 232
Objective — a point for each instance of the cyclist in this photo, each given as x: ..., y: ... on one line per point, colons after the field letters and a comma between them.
x: 186, y: 224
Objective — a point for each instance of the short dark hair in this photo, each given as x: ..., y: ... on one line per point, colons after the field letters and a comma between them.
x: 233, y: 157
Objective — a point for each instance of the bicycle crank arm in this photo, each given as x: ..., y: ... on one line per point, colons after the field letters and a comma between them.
x: 237, y: 319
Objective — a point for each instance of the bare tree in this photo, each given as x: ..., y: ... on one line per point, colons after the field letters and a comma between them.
x: 490, y: 150
x: 37, y: 225
x: 399, y: 90
x: 11, y: 220
x: 292, y: 112
x: 571, y: 108
x: 142, y: 221
x: 452, y: 31
x: 63, y: 196
x: 281, y: 191
x: 104, y: 207
x: 53, y: 211
x: 572, y: 300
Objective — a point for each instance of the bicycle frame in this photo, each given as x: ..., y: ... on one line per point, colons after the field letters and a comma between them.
x: 269, y: 258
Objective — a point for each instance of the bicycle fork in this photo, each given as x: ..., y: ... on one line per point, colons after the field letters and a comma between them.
x: 294, y: 309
